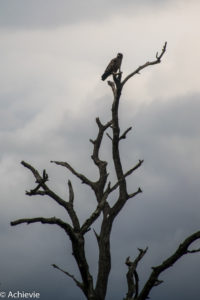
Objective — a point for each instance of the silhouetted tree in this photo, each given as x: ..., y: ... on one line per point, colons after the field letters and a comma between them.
x: 102, y: 189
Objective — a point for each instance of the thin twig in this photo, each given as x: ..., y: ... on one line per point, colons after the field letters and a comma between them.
x: 71, y: 192
x: 123, y: 136
x: 78, y: 283
x: 108, y: 135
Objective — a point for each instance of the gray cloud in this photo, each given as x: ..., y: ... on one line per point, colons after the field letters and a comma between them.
x: 56, y: 13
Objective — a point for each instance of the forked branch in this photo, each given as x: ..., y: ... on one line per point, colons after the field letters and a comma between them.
x: 41, y: 184
x: 129, y: 172
x: 132, y: 275
x: 147, y: 64
x: 169, y: 262
x: 101, y: 164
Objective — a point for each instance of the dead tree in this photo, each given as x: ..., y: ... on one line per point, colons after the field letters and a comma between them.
x: 102, y: 189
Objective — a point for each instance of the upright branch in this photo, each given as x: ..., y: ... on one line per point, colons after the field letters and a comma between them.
x: 132, y: 275
x: 101, y: 164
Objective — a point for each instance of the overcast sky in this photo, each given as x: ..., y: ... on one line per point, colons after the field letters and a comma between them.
x: 53, y: 54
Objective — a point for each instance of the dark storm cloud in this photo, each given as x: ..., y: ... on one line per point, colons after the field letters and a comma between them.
x: 50, y: 13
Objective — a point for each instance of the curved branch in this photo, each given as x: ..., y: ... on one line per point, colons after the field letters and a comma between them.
x: 147, y: 64
x: 68, y: 229
x: 153, y: 278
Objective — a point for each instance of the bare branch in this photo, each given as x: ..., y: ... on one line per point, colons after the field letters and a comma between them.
x: 129, y: 172
x: 35, y: 192
x: 153, y: 278
x: 86, y: 225
x: 136, y: 277
x: 112, y: 85
x: 99, y: 185
x: 47, y: 191
x: 132, y: 276
x: 78, y: 283
x: 134, y: 168
x: 33, y: 170
x: 140, y: 255
x: 97, y: 143
x: 71, y: 192
x: 92, y: 141
x: 42, y: 220
x: 117, y: 79
x: 97, y: 236
x: 135, y: 193
x: 41, y: 180
x: 70, y: 208
x: 158, y: 282
x: 162, y: 52
x: 83, y: 178
x: 123, y: 136
x: 109, y: 136
x: 193, y: 251
x: 157, y: 61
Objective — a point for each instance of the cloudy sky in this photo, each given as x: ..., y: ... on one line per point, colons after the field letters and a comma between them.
x: 53, y: 54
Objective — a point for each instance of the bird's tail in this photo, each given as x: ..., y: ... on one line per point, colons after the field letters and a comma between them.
x: 104, y: 76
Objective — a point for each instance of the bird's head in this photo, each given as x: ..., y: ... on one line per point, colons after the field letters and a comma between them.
x: 119, y: 55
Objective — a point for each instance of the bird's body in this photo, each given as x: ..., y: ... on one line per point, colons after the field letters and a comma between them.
x: 113, y: 66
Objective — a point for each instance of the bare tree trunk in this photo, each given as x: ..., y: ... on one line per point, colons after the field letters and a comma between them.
x: 102, y: 190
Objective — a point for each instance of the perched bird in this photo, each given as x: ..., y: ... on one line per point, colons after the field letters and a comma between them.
x: 113, y: 66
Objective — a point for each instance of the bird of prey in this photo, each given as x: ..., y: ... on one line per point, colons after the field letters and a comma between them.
x: 113, y: 66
